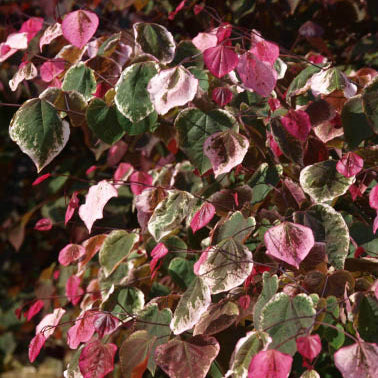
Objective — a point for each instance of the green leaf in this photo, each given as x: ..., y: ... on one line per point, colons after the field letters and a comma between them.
x: 169, y: 214
x: 191, y: 306
x: 116, y: 248
x: 188, y: 55
x: 146, y: 124
x: 322, y: 181
x: 370, y: 103
x: 270, y: 287
x: 227, y: 265
x: 355, y: 123
x: 181, y: 271
x: 80, y: 78
x: 195, y: 126
x: 368, y: 319
x: 202, y: 76
x: 39, y: 132
x: 245, y: 349
x: 329, y: 227
x: 132, y: 98
x: 283, y: 317
x: 156, y: 40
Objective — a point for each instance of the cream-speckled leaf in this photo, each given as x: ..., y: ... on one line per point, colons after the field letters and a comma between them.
x: 283, y: 317
x: 193, y: 303
x: 322, y: 181
x: 172, y: 87
x: 226, y: 266
x: 156, y: 40
x: 39, y: 132
x: 169, y: 214
x: 26, y: 71
x: 132, y: 98
x: 116, y: 248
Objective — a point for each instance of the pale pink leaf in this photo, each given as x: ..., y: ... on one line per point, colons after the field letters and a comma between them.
x: 70, y: 253
x: 32, y: 27
x: 225, y: 150
x: 72, y: 206
x: 17, y: 41
x: 373, y: 198
x: 297, y: 123
x: 123, y: 172
x: 48, y: 324
x: 202, y: 217
x: 257, y: 75
x: 172, y: 87
x: 35, y: 346
x: 270, y: 363
x: 222, y: 96
x: 350, y: 164
x: 97, y: 360
x: 266, y: 51
x: 26, y: 71
x: 51, y: 69
x: 357, y: 360
x: 79, y: 27
x: 40, y: 179
x: 52, y: 32
x: 97, y: 197
x: 220, y: 60
x: 73, y: 290
x: 105, y: 324
x: 140, y: 181
x: 289, y: 242
x: 44, y: 224
x: 82, y: 330
x: 34, y: 309
x: 116, y: 153
x: 309, y: 346
x: 204, y: 41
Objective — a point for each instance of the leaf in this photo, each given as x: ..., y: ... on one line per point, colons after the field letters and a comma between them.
x: 39, y: 132
x: 73, y: 290
x: 35, y: 346
x: 373, y: 198
x: 116, y: 248
x: 159, y: 251
x: 322, y: 181
x: 80, y: 78
x: 26, y: 71
x: 289, y: 242
x: 357, y: 360
x: 51, y: 69
x: 72, y: 206
x: 156, y: 40
x: 79, y: 27
x: 140, y: 181
x: 350, y: 164
x: 220, y: 60
x: 172, y: 87
x: 202, y: 217
x: 132, y: 98
x: 34, y: 309
x: 309, y: 346
x: 204, y: 41
x: 97, y: 197
x: 49, y: 322
x: 134, y: 354
x: 52, y: 32
x: 265, y: 50
x: 193, y: 303
x: 227, y: 265
x: 44, y: 224
x: 225, y: 150
x: 300, y: 83
x: 222, y: 96
x: 31, y: 27
x: 169, y: 213
x: 187, y: 359
x: 297, y: 123
x: 82, y: 331
x: 283, y: 317
x: 257, y: 75
x: 182, y: 271
x: 370, y: 103
x: 97, y: 359
x: 270, y: 363
x: 245, y: 349
x: 105, y: 324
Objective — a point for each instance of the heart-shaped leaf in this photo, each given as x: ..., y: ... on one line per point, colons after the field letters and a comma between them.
x: 220, y: 60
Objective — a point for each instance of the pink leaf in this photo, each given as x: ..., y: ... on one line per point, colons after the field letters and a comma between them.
x: 200, y: 261
x: 82, y: 330
x: 140, y: 181
x: 224, y: 32
x: 96, y: 359
x: 354, y: 191
x: 373, y: 198
x: 297, y: 123
x: 51, y: 69
x: 48, y: 324
x: 40, y: 179
x: 266, y: 51
x: 6, y: 51
x: 357, y: 360
x: 123, y: 171
x: 256, y: 74
x: 245, y: 301
x: 270, y: 363
x: 274, y: 145
x: 44, y: 224
x: 32, y: 27
x: 91, y: 169
x: 198, y: 8
x: 375, y: 224
x: 35, y: 346
x: 350, y: 164
x: 309, y: 346
x: 52, y: 32
x: 72, y: 206
x: 222, y: 96
x: 78, y: 27
x: 105, y: 324
x: 289, y: 242
x: 204, y: 41
x: 97, y: 197
x: 73, y: 290
x: 220, y: 60
x: 202, y: 217
x: 34, y: 309
x: 225, y: 150
x: 116, y: 153
x: 179, y: 7
x: 159, y: 251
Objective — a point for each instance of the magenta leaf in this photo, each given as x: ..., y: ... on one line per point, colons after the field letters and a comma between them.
x: 179, y: 7
x: 40, y: 179
x: 350, y: 164
x: 289, y: 242
x: 72, y: 206
x: 78, y: 27
x: 309, y: 346
x: 202, y: 217
x: 44, y: 224
x: 51, y: 69
x: 82, y: 330
x: 159, y: 251
x: 224, y: 32
x: 222, y: 96
x: 31, y: 27
x: 297, y: 123
x: 96, y: 359
x: 48, y: 324
x: 73, y: 290
x: 200, y: 261
x: 375, y: 224
x: 140, y: 181
x: 266, y: 51
x: 373, y: 198
x: 245, y: 301
x: 35, y: 346
x: 34, y: 309
x: 270, y: 363
x: 220, y: 60
x: 105, y: 324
